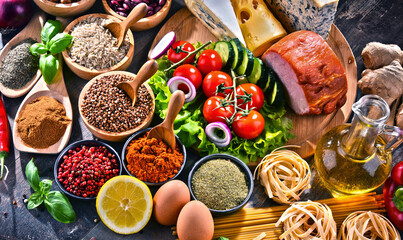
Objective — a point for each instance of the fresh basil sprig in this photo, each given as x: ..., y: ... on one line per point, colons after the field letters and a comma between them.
x: 55, y: 202
x: 53, y: 42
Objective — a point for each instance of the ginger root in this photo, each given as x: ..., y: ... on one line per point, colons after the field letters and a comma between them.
x: 376, y: 55
x: 384, y: 76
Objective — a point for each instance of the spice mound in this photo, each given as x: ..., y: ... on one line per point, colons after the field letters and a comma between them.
x: 108, y: 108
x: 42, y: 122
x: 19, y: 66
x: 63, y: 1
x: 94, y: 46
x: 151, y: 160
x: 85, y: 169
x: 220, y: 184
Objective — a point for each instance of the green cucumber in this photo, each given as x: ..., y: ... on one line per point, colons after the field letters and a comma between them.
x: 226, y: 52
x: 256, y: 73
x: 277, y: 94
x: 238, y: 50
x: 246, y: 66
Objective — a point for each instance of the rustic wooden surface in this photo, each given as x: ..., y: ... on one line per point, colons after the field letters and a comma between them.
x: 361, y: 21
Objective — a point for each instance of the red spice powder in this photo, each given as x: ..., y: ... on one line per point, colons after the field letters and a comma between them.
x: 151, y: 160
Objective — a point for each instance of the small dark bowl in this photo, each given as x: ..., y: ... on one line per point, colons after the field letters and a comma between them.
x: 78, y: 144
x: 242, y: 166
x: 140, y: 133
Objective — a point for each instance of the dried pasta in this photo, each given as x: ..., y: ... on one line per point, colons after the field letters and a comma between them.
x: 308, y: 220
x: 284, y: 175
x: 363, y: 225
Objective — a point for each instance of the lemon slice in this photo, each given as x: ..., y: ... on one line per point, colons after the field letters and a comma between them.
x: 124, y: 204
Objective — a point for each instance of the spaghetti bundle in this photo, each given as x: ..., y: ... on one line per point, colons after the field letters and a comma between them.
x: 308, y: 220
x: 367, y: 225
x: 285, y: 175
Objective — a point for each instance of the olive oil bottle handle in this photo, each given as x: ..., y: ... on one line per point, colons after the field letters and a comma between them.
x: 397, y: 134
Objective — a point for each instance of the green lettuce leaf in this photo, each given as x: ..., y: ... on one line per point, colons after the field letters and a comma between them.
x: 189, y: 125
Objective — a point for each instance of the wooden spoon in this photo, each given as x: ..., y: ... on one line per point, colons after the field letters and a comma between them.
x: 165, y: 130
x: 32, y: 30
x: 132, y: 87
x: 56, y: 90
x: 119, y: 29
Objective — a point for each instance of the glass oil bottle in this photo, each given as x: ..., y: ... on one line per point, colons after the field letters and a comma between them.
x: 353, y: 158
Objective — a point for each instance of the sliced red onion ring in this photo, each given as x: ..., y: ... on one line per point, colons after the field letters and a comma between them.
x: 163, y: 45
x: 174, y: 83
x: 211, y: 134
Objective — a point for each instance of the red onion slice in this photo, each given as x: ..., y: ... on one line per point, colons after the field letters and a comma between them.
x: 174, y: 83
x: 163, y: 45
x: 214, y: 138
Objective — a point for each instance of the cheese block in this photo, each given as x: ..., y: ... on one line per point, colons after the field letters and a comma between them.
x: 312, y: 15
x: 259, y: 27
x: 218, y: 17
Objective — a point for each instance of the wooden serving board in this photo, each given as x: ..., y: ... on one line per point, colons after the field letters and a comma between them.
x: 307, y: 129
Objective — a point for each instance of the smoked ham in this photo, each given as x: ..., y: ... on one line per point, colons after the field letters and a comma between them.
x: 310, y: 71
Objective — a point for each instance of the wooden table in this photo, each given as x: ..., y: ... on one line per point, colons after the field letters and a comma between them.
x: 361, y: 21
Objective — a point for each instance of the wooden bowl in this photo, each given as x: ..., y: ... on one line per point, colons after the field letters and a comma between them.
x: 87, y: 73
x: 114, y: 136
x: 64, y: 10
x: 144, y: 23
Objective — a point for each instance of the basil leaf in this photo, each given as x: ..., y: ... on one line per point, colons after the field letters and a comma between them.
x: 32, y: 175
x: 222, y: 238
x: 48, y: 65
x: 45, y: 185
x: 35, y: 200
x: 59, y: 42
x: 50, y: 29
x: 59, y: 207
x: 38, y: 49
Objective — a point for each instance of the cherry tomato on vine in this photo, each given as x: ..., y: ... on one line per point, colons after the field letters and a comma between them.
x: 257, y: 98
x: 212, y: 111
x: 250, y: 126
x: 175, y: 54
x: 213, y: 79
x: 190, y: 72
x: 209, y: 61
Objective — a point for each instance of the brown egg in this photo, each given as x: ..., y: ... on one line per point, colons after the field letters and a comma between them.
x: 195, y: 222
x: 169, y: 200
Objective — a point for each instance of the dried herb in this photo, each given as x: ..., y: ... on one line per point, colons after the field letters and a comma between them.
x: 19, y: 66
x: 220, y: 184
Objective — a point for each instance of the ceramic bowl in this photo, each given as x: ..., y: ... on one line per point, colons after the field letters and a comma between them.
x: 114, y: 136
x: 87, y: 73
x: 140, y: 133
x: 144, y: 23
x: 241, y: 165
x: 91, y: 143
x: 64, y: 10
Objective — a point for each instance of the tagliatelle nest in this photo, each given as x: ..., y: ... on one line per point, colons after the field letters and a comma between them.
x: 363, y: 225
x: 308, y: 220
x: 285, y: 175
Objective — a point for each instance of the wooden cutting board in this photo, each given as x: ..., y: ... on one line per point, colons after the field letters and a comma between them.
x: 307, y: 129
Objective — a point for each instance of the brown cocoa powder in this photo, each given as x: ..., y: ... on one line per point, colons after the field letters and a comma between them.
x: 42, y: 122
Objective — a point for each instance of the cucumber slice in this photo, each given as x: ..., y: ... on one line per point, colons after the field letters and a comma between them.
x: 246, y: 66
x: 277, y: 94
x: 256, y: 71
x: 226, y: 52
x: 238, y: 50
x: 272, y: 76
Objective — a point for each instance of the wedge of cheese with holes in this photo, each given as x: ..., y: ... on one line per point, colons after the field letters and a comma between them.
x: 312, y: 15
x: 218, y: 17
x: 259, y: 27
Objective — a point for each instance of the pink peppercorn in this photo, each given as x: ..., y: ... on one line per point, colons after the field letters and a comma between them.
x: 82, y: 171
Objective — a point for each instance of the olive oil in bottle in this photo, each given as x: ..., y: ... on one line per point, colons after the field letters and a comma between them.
x: 352, y: 158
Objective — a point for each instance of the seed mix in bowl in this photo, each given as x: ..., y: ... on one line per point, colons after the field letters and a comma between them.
x: 94, y: 46
x: 108, y: 108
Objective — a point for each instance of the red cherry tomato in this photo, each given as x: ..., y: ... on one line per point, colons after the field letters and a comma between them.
x: 248, y: 127
x: 213, y: 79
x: 190, y: 72
x: 209, y: 61
x: 212, y: 111
x: 257, y: 96
x: 175, y: 55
